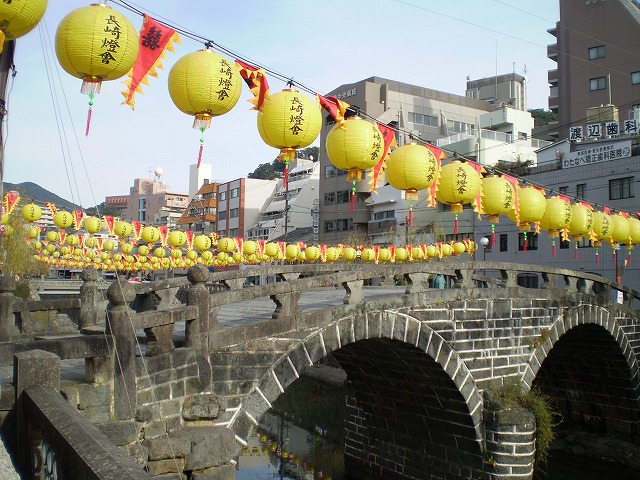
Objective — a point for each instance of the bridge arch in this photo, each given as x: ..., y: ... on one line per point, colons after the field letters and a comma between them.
x: 578, y: 362
x: 409, y: 394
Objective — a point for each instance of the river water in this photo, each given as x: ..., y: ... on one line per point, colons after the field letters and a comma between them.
x: 300, y: 438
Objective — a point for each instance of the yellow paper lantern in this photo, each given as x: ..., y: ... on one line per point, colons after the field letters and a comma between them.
x: 176, y: 253
x: 71, y: 240
x: 634, y: 231
x: 271, y: 249
x: 126, y: 248
x: 63, y: 219
x: 289, y: 120
x: 122, y: 229
x: 91, y: 242
x: 355, y: 146
x: 498, y: 197
x: 602, y: 227
x: 159, y: 252
x: 411, y: 168
x: 459, y: 248
x: 33, y: 232
x: 368, y: 255
x: 459, y: 183
x: 417, y: 253
x: 249, y: 247
x: 96, y: 43
x: 292, y: 251
x: 92, y: 225
x: 302, y: 256
x: 349, y: 254
x: 52, y: 236
x: 150, y: 234
x: 226, y: 244
x: 109, y: 245
x: 401, y: 254
x: 19, y: 17
x: 531, y: 207
x: 312, y: 253
x: 446, y: 249
x: 557, y: 216
x: 31, y: 212
x: 432, y: 251
x: 581, y: 221
x: 177, y: 238
x: 621, y: 229
x: 332, y: 254
x: 384, y: 255
x: 202, y: 243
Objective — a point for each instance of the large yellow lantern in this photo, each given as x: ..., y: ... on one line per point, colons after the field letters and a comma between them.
x: 17, y: 18
x: 312, y: 253
x: 292, y: 251
x: 602, y: 230
x: 459, y: 183
x: 150, y: 234
x: 63, y: 219
x: 556, y: 218
x: 205, y: 85
x: 498, y: 198
x: 202, y: 243
x: 289, y: 120
x: 349, y: 254
x: 411, y: 168
x: 531, y: 207
x: 332, y: 254
x: 249, y: 247
x: 621, y: 229
x: 634, y: 231
x: 92, y: 225
x: 122, y: 229
x: 96, y: 43
x: 226, y: 244
x: 31, y: 212
x: 581, y: 223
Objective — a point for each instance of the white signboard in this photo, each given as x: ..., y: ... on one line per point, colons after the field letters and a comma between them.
x: 597, y: 153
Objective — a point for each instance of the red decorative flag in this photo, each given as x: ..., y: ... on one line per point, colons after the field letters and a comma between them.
x: 137, y: 229
x: 336, y: 108
x: 606, y: 210
x: 9, y: 202
x: 389, y: 137
x: 52, y: 207
x: 109, y: 221
x: 155, y: 38
x: 63, y: 235
x: 189, y: 235
x: 261, y: 244
x: 78, y: 218
x: 256, y: 79
x: 239, y: 243
x: 164, y: 232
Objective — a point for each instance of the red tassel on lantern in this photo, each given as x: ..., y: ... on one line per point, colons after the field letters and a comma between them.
x: 524, y: 247
x: 597, y: 258
x: 410, y: 215
x: 201, y: 146
x: 86, y: 132
x: 553, y: 248
x: 352, y: 203
x: 493, y: 235
x: 455, y: 225
x: 285, y: 182
x: 575, y: 253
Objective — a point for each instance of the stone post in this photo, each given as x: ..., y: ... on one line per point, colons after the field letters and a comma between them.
x: 121, y: 324
x: 354, y: 293
x: 510, y: 443
x: 8, y: 327
x: 88, y: 298
x: 417, y: 282
x: 197, y: 331
x: 286, y: 304
x: 31, y: 368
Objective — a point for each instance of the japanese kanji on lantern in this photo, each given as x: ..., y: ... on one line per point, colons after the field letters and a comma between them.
x: 17, y: 18
x: 289, y: 120
x: 531, y: 207
x: 602, y: 230
x: 411, y: 168
x: 556, y: 219
x: 459, y: 183
x: 96, y: 43
x: 581, y: 224
x: 498, y: 198
x: 356, y: 145
x: 205, y: 85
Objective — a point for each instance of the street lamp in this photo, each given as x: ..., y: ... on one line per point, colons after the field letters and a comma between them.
x: 484, y: 241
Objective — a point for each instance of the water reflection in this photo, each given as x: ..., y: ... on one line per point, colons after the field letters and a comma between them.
x: 301, y: 438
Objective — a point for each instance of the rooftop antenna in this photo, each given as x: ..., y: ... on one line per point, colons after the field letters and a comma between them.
x: 158, y: 173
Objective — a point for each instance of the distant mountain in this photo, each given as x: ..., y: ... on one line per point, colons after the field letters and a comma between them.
x: 30, y: 191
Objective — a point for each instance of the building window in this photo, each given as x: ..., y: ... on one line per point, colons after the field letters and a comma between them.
x: 384, y: 215
x: 532, y: 241
x: 235, y: 192
x: 635, y: 78
x: 234, y: 212
x: 621, y: 188
x: 330, y: 198
x: 580, y: 190
x: 599, y: 83
x: 420, y: 119
x: 564, y: 243
x: 504, y: 242
x: 222, y: 215
x: 331, y: 172
x: 596, y: 52
x: 343, y: 196
x: 233, y: 232
x: 563, y: 190
x: 223, y: 196
x: 458, y: 127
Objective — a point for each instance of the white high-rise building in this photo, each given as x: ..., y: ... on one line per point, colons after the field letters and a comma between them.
x: 198, y: 177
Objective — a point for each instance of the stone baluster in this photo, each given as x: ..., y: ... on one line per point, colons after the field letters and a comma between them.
x: 8, y: 327
x: 463, y: 279
x: 120, y: 324
x: 354, y: 293
x: 234, y: 283
x: 510, y: 278
x: 286, y: 304
x: 88, y: 298
x: 571, y: 283
x: 417, y: 282
x: 549, y: 281
x: 197, y: 331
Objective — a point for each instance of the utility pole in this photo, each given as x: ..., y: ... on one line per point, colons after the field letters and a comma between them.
x: 6, y: 64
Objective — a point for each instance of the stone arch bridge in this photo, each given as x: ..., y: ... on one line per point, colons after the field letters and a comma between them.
x: 218, y: 350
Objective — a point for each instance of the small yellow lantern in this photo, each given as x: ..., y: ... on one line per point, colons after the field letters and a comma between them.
x: 292, y: 251
x: 52, y: 236
x: 289, y: 120
x: 63, y: 219
x: 459, y: 183
x: 368, y: 255
x: 226, y: 244
x: 205, y: 85
x: 354, y: 146
x: 459, y: 248
x: 602, y: 230
x: 177, y: 238
x: 92, y: 225
x: 249, y: 247
x: 271, y: 249
x: 203, y: 244
x: 401, y: 254
x: 122, y: 229
x: 531, y: 207
x: 384, y: 255
x: 333, y: 254
x: 150, y: 234
x: 31, y: 212
x: 17, y: 18
x: 634, y: 231
x: 96, y: 43
x: 411, y: 168
x: 349, y: 254
x: 312, y: 253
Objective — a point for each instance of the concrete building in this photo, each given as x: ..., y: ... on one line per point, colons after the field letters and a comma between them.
x: 201, y: 212
x: 153, y: 203
x: 198, y: 177
x: 291, y: 219
x: 120, y: 202
x: 596, y: 63
x: 508, y: 89
x: 416, y: 112
x: 239, y: 203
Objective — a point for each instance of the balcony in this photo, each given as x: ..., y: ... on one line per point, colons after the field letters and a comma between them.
x: 552, y: 76
x: 376, y: 227
x: 552, y: 52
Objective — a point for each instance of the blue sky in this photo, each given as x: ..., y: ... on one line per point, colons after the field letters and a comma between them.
x: 320, y: 44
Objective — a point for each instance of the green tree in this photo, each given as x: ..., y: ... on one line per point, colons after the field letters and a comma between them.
x: 103, y: 209
x: 16, y: 256
x: 543, y: 117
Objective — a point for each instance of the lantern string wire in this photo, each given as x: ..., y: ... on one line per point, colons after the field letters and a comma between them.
x: 287, y: 79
